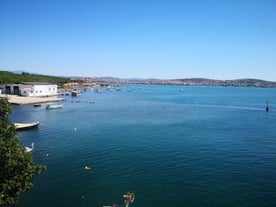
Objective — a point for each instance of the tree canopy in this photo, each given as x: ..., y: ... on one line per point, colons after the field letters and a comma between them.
x: 17, y: 166
x: 8, y: 77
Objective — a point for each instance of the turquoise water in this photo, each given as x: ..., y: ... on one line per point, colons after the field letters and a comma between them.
x: 205, y: 146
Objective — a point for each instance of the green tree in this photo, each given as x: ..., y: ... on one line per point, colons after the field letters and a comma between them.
x: 17, y: 167
x: 9, y: 77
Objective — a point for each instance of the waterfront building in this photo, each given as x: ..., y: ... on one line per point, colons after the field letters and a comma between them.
x: 30, y: 89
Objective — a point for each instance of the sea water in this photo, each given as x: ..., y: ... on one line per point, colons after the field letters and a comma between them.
x: 200, y: 146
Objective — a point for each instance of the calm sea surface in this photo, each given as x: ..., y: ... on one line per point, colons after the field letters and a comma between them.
x: 205, y: 146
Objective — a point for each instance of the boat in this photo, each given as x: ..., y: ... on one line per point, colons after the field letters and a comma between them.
x: 37, y: 105
x: 75, y: 93
x: 29, y: 149
x: 54, y: 106
x: 25, y: 126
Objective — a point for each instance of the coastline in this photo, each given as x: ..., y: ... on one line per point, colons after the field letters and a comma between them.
x: 20, y: 100
x: 121, y: 126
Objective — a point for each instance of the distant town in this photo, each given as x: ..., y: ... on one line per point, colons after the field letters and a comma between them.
x: 186, y: 82
x: 17, y: 77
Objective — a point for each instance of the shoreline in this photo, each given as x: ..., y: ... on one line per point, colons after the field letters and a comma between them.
x: 21, y: 100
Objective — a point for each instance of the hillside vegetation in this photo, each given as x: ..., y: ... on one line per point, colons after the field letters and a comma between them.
x: 9, y: 77
x: 249, y: 82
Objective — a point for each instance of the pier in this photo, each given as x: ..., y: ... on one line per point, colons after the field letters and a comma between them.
x: 21, y: 100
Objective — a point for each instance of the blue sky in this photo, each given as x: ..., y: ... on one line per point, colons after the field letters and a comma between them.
x: 218, y: 39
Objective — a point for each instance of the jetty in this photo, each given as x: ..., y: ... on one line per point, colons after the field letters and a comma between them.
x: 21, y: 100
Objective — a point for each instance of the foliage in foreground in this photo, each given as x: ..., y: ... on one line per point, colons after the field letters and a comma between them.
x: 17, y: 167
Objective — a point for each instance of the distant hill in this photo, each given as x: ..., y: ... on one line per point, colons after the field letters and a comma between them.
x: 10, y: 77
x: 190, y: 82
x: 237, y: 83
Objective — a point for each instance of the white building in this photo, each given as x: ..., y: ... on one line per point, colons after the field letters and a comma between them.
x: 30, y: 89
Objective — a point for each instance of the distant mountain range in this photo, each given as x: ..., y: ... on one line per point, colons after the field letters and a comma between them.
x: 249, y: 82
x: 188, y: 82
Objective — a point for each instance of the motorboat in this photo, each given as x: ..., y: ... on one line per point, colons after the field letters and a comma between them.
x: 75, y: 93
x: 25, y: 126
x: 54, y: 106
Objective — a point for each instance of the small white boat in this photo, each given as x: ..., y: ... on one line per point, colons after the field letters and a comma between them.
x: 54, y: 106
x: 29, y: 149
x: 25, y: 126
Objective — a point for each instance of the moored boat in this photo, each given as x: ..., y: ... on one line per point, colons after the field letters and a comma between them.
x: 25, y: 126
x: 75, y: 93
x: 54, y: 106
x: 37, y: 105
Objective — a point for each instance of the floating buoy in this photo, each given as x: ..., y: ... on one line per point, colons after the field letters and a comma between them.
x: 86, y: 168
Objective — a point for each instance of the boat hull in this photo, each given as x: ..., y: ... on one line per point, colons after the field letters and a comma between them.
x: 26, y: 126
x: 54, y: 107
